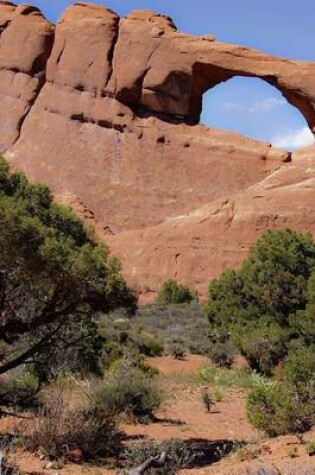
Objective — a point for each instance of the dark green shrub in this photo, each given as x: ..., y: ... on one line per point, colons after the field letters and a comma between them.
x: 267, y: 303
x: 147, y: 344
x: 61, y: 276
x: 310, y: 448
x: 277, y: 409
x: 299, y: 371
x: 173, y: 293
x: 262, y: 343
x: 19, y: 390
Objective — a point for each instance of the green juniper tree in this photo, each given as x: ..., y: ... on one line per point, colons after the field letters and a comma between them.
x: 268, y: 305
x: 173, y: 293
x: 54, y: 278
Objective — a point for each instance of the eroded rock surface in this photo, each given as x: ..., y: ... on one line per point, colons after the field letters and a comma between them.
x: 201, y: 244
x: 26, y: 40
x: 102, y: 110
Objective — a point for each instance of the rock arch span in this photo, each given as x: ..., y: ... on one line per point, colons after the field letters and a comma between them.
x: 170, y: 71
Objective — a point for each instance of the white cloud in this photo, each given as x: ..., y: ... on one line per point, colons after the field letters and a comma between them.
x: 233, y: 106
x: 266, y: 105
x: 294, y: 139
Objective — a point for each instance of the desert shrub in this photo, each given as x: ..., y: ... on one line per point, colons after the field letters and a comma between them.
x: 198, y: 347
x: 147, y: 344
x: 161, y: 322
x: 263, y: 346
x: 310, y: 448
x: 218, y: 395
x: 267, y: 303
x: 131, y: 358
x: 287, y: 406
x: 222, y: 354
x: 57, y: 429
x: 221, y: 351
x: 208, y: 400
x: 223, y: 378
x: 112, y: 351
x: 177, y: 347
x: 299, y: 371
x: 19, y: 390
x: 277, y: 409
x: 173, y: 293
x: 246, y: 454
x: 130, y: 391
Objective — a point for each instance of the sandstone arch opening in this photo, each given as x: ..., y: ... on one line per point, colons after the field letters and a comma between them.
x: 254, y: 108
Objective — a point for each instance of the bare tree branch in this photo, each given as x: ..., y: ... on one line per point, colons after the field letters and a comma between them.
x: 158, y: 461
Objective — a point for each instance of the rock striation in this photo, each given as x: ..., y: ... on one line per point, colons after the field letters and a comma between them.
x: 105, y: 110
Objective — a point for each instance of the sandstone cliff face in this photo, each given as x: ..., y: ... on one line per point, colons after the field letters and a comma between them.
x: 102, y: 109
x: 26, y: 40
x: 201, y: 244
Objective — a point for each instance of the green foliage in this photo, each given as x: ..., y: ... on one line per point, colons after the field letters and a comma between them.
x: 223, y: 378
x: 177, y: 347
x: 152, y: 330
x: 267, y: 307
x: 221, y: 351
x: 54, y: 278
x: 19, y: 390
x: 130, y: 391
x: 147, y: 344
x: 299, y: 371
x: 263, y: 344
x: 208, y: 401
x: 173, y: 293
x: 278, y: 409
x: 310, y: 448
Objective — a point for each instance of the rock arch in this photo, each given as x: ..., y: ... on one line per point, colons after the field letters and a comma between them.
x: 279, y: 73
x: 171, y: 71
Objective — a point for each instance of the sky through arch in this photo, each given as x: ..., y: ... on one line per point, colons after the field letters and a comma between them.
x: 252, y: 107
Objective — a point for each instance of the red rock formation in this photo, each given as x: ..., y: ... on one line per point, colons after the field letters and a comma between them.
x: 101, y: 109
x: 25, y: 43
x: 198, y: 246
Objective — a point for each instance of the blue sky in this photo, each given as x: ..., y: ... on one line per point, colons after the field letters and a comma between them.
x: 246, y: 105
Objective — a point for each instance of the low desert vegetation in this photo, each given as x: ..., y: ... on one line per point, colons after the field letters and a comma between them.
x: 171, y: 292
x: 310, y: 448
x: 267, y: 310
x: 90, y: 424
x: 155, y: 328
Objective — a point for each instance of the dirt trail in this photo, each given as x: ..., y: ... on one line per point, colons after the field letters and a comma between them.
x: 184, y: 416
